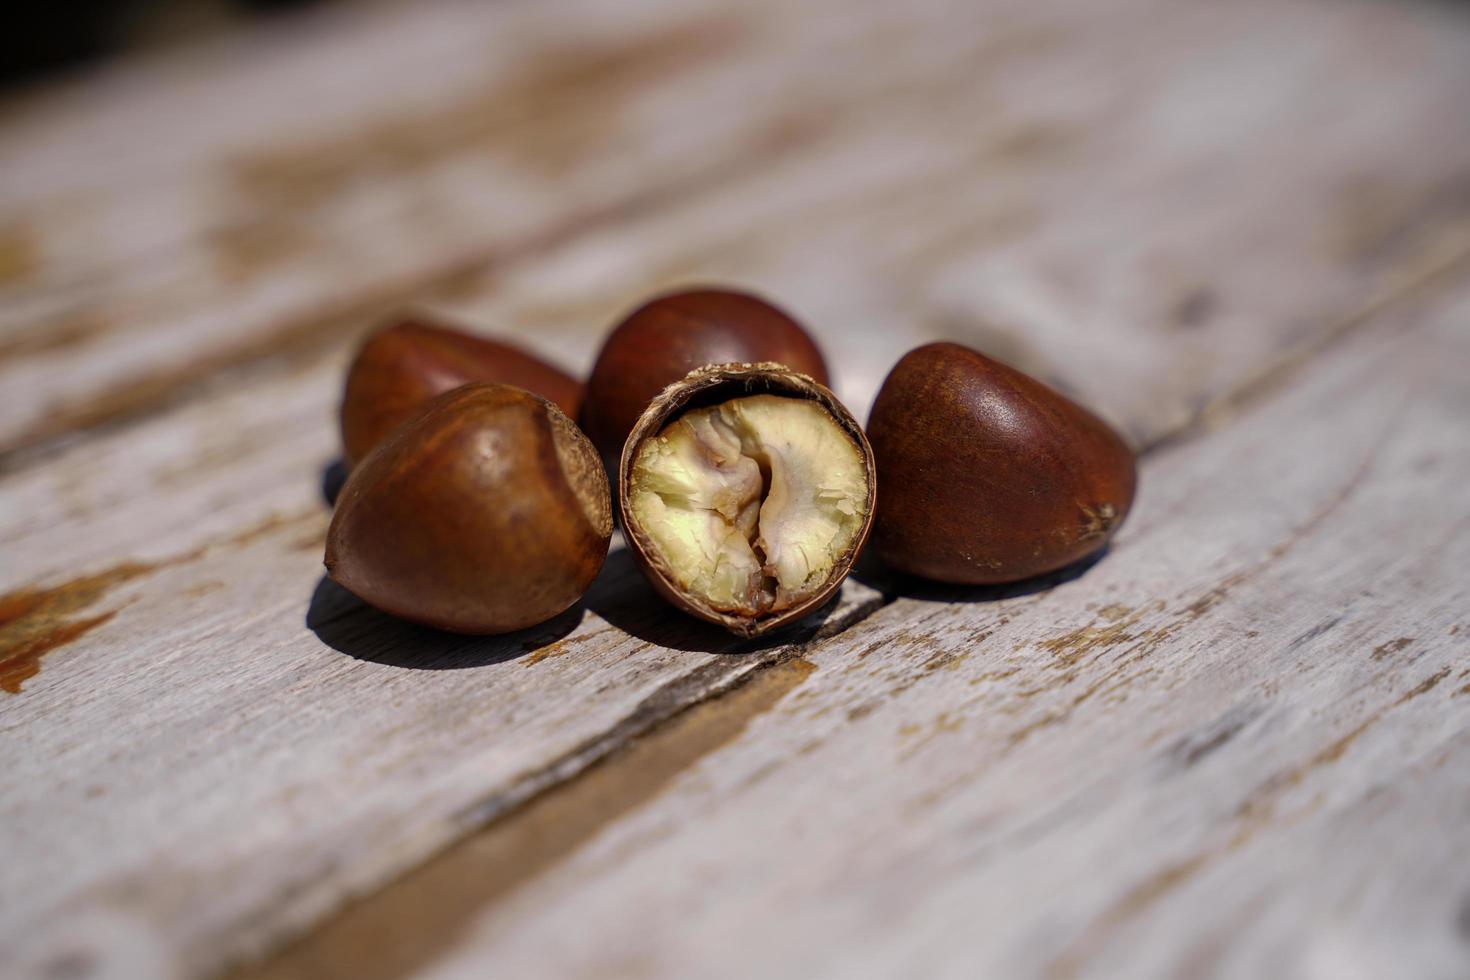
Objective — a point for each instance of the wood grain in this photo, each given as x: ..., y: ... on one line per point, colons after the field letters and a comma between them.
x: 1154, y: 191
x: 1169, y: 210
x: 287, y: 730
x: 1235, y: 747
x: 248, y: 708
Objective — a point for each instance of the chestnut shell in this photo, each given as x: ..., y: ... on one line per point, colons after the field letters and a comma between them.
x: 710, y: 385
x: 666, y: 338
x: 401, y: 366
x: 990, y: 476
x: 488, y: 512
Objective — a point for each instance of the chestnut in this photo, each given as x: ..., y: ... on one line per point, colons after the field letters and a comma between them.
x: 666, y: 338
x: 487, y: 512
x: 989, y: 475
x: 401, y: 366
x: 746, y: 492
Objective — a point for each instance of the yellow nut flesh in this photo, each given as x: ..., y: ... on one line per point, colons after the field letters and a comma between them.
x: 750, y: 503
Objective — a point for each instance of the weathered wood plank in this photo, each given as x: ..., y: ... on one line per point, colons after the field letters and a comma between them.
x: 222, y: 753
x: 227, y: 745
x: 281, y: 727
x: 1236, y: 747
x: 1163, y: 192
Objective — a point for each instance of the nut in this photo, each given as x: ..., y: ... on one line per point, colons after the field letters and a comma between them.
x: 988, y: 475
x: 746, y: 492
x: 665, y: 339
x: 486, y: 513
x: 401, y: 366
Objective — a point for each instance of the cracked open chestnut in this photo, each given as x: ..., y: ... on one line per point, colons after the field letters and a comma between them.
x: 990, y: 476
x: 403, y: 365
x: 746, y: 492
x: 487, y: 512
x: 666, y: 338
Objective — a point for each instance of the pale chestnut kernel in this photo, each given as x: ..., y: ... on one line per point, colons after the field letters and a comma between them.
x: 751, y: 503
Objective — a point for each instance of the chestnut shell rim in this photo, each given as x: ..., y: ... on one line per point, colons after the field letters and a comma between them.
x: 702, y: 385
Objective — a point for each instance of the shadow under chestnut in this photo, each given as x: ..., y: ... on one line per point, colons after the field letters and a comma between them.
x: 620, y: 595
x: 348, y: 625
x: 871, y: 572
x: 334, y: 474
x: 625, y: 599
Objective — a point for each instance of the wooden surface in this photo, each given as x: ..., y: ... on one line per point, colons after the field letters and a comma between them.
x: 1234, y: 746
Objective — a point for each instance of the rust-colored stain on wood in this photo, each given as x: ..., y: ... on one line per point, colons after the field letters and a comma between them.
x: 1391, y: 647
x: 1113, y: 625
x: 1070, y: 647
x: 34, y: 622
x: 1427, y: 685
x: 1260, y: 809
x: 56, y: 333
x: 562, y: 647
x: 272, y: 523
x: 249, y: 248
x: 401, y: 929
x: 565, y: 104
x: 204, y: 588
x: 20, y: 258
x: 315, y: 541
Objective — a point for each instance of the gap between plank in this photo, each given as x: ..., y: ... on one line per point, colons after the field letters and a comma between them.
x: 513, y: 836
x: 438, y: 901
x: 517, y: 834
x: 298, y: 339
x: 1447, y: 263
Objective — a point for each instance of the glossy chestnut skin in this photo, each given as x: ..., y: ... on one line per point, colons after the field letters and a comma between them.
x: 488, y: 512
x: 666, y: 338
x: 403, y: 365
x: 988, y: 475
x: 712, y: 384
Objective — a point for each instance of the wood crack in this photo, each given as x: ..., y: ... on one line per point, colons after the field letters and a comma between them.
x: 1260, y: 810
x: 1441, y: 270
x: 748, y: 665
x: 304, y: 338
x: 513, y: 836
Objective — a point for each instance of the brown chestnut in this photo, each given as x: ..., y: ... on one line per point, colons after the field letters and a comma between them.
x: 665, y: 339
x: 401, y: 366
x: 487, y: 512
x: 988, y: 475
x: 746, y: 492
